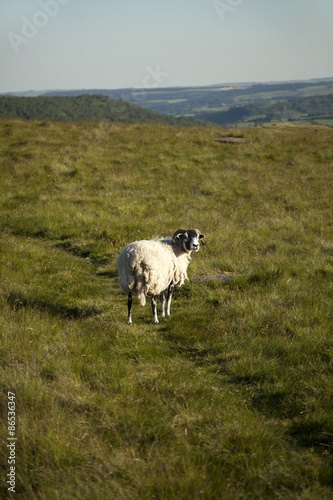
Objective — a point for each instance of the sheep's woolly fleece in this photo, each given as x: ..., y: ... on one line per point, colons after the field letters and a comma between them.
x: 149, y: 266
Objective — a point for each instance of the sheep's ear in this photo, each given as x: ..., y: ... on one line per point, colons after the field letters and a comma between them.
x: 201, y: 236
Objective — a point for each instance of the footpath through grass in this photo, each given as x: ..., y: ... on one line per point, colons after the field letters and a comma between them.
x: 229, y: 398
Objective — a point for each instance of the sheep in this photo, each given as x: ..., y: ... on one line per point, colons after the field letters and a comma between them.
x: 149, y: 267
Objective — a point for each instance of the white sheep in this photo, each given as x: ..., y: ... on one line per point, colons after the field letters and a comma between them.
x: 151, y: 266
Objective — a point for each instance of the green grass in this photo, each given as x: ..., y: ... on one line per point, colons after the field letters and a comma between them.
x: 327, y: 122
x: 229, y: 398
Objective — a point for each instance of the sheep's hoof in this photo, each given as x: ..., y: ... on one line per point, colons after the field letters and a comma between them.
x: 129, y: 321
x: 155, y: 321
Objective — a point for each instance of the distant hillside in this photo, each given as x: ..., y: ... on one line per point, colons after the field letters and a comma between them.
x: 315, y: 109
x: 84, y: 108
x: 302, y: 102
x: 190, y: 101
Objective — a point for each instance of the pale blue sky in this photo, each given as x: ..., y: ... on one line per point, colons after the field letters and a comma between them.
x: 67, y: 44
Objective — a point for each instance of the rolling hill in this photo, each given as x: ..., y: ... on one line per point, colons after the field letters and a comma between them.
x: 246, y: 105
x: 83, y: 108
x: 313, y: 109
x: 193, y: 100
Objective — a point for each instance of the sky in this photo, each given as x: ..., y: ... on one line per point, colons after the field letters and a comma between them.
x: 83, y: 44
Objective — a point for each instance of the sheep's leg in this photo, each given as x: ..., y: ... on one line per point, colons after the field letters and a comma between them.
x: 153, y: 305
x: 170, y: 290
x: 162, y: 299
x: 129, y: 305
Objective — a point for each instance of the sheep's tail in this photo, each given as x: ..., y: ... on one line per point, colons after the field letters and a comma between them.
x: 141, y: 283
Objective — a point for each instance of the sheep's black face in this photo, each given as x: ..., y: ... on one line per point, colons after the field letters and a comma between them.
x: 191, y: 240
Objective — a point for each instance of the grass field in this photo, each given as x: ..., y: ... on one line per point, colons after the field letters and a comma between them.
x: 229, y: 398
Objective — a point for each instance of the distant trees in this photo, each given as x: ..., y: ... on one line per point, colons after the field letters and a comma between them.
x: 101, y: 108
x: 291, y: 109
x: 82, y: 108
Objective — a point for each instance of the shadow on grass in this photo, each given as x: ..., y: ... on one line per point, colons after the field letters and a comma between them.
x: 309, y: 432
x: 109, y: 273
x: 80, y: 251
x: 316, y: 434
x: 200, y: 355
x: 19, y: 300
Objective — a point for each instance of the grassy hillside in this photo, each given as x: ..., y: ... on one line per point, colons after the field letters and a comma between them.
x: 307, y: 109
x: 84, y: 108
x: 229, y: 398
